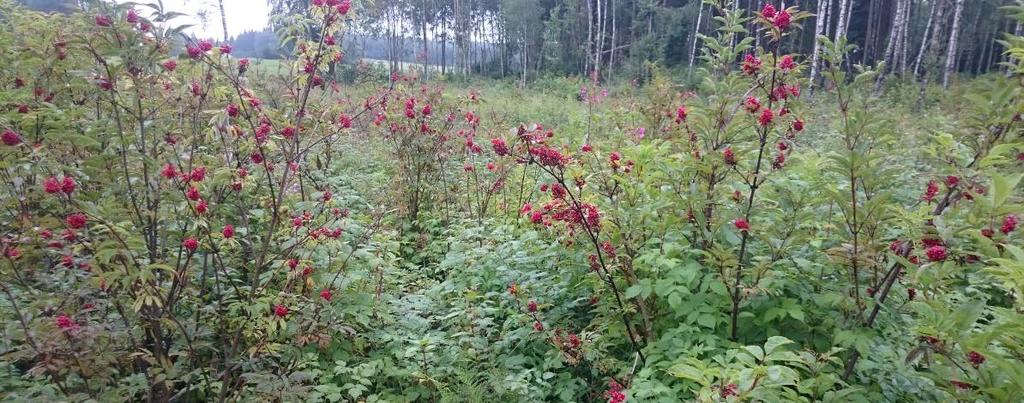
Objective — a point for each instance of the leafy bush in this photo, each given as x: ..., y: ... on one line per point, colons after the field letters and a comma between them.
x: 196, y: 227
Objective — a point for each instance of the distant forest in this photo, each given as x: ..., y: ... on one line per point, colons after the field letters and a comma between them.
x: 927, y: 39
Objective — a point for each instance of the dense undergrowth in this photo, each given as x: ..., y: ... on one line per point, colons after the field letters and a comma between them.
x: 184, y: 228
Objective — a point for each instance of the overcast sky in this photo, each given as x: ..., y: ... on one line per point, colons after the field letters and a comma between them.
x: 243, y: 15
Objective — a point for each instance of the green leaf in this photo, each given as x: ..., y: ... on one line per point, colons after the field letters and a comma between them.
x: 686, y: 371
x: 775, y: 342
x: 1002, y: 187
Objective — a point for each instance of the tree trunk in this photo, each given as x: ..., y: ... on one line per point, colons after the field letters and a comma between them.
x: 892, y: 49
x: 931, y: 60
x: 842, y: 22
x: 904, y: 34
x: 951, y: 53
x: 590, y: 36
x: 924, y: 39
x: 426, y: 49
x: 828, y: 17
x: 820, y: 29
x: 611, y: 57
x: 696, y: 34
x: 223, y: 19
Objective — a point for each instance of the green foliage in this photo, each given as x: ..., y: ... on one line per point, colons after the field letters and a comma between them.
x: 470, y: 241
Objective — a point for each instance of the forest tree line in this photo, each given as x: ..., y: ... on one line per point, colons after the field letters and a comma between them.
x: 931, y: 39
x: 928, y: 39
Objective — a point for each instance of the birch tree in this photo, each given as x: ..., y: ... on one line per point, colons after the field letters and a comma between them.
x: 953, y: 37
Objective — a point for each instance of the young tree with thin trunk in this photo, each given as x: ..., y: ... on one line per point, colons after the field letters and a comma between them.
x: 951, y: 52
x: 819, y: 29
x: 842, y: 23
x: 696, y: 34
x: 223, y: 19
x: 924, y: 39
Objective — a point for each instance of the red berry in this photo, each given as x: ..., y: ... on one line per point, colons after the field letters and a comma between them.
x: 190, y: 244
x: 68, y: 185
x: 51, y: 185
x: 77, y: 220
x: 10, y: 138
x: 936, y: 253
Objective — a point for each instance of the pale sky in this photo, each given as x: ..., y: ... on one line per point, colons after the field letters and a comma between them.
x: 242, y: 15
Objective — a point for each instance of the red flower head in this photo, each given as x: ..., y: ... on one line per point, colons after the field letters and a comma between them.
x: 531, y: 306
x: 10, y: 138
x: 198, y: 174
x: 229, y: 231
x: 65, y: 323
x: 77, y: 220
x: 201, y: 207
x: 326, y: 294
x: 961, y: 385
x: 132, y: 17
x: 766, y: 117
x: 193, y: 52
x: 1009, y: 224
x: 782, y: 20
x: 169, y: 171
x: 787, y: 64
x: 741, y: 224
x: 288, y: 132
x: 798, y: 125
x: 936, y: 253
x: 225, y: 49
x: 975, y: 358
x: 615, y: 393
x: 751, y: 64
x: 170, y: 65
x: 51, y: 185
x: 587, y: 148
x: 952, y: 181
x: 768, y: 11
x: 500, y: 148
x: 344, y: 6
x: 538, y: 326
x: 190, y: 244
x: 930, y: 191
x: 68, y: 185
x: 752, y: 104
x: 344, y: 121
x: 205, y: 45
x: 192, y: 193
x: 426, y: 110
x: 729, y: 157
x: 549, y: 156
x: 779, y: 162
x: 681, y: 114
x: 729, y: 390
x: 280, y: 310
x: 103, y: 21
x: 256, y: 157
x: 987, y: 232
x: 12, y: 252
